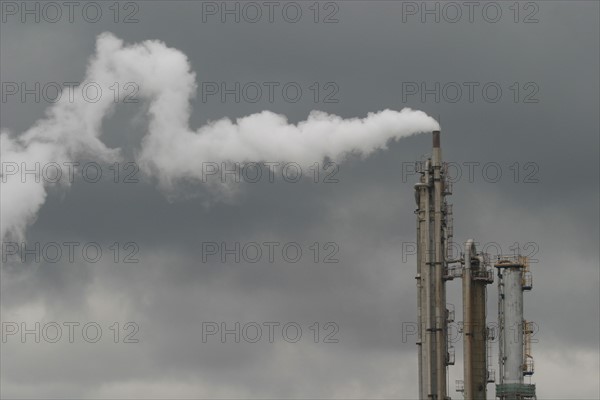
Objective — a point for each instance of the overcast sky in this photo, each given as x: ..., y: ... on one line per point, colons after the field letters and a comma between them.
x: 527, y: 109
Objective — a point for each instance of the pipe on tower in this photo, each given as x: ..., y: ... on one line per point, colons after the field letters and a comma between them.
x: 467, y: 323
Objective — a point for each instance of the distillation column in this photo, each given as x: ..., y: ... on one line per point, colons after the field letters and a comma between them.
x: 515, y: 359
x: 431, y: 265
x: 476, y: 275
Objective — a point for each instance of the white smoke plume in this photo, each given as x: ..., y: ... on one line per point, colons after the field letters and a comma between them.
x: 171, y: 150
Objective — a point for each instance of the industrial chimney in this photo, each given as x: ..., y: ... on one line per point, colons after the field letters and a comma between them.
x: 432, y: 245
x: 434, y: 233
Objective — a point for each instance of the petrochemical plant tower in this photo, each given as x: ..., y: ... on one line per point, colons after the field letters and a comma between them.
x: 436, y: 266
x: 432, y: 247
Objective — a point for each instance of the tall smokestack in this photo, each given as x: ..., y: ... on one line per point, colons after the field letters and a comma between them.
x: 432, y: 237
x: 436, y: 139
x: 437, y: 151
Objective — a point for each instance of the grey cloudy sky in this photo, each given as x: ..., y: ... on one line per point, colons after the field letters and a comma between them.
x: 541, y: 133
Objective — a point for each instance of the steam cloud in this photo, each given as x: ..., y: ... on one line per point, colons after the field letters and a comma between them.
x: 170, y: 151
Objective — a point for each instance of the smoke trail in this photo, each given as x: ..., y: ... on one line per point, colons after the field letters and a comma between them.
x: 170, y: 150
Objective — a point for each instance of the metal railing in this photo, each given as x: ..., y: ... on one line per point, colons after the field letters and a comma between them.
x: 512, y: 259
x: 528, y: 366
x: 486, y: 275
x: 453, y: 272
x: 490, y: 333
x: 447, y: 186
x: 450, y: 313
x: 528, y: 329
x: 450, y: 356
x: 460, y: 386
x: 527, y: 280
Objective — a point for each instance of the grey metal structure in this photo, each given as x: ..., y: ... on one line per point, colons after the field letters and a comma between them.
x: 476, y: 275
x: 433, y: 231
x: 515, y: 360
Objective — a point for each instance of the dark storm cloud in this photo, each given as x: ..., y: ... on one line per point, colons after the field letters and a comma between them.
x: 370, y: 292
